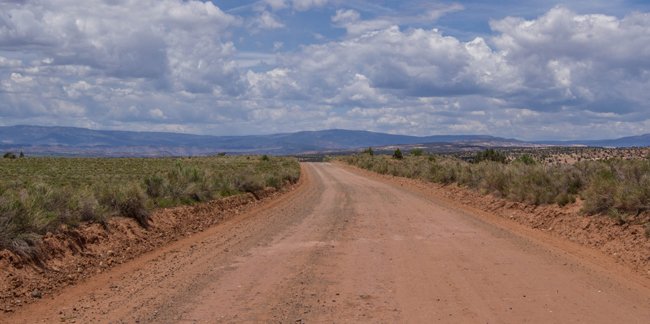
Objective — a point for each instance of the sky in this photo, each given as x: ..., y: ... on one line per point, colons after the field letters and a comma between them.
x: 518, y: 69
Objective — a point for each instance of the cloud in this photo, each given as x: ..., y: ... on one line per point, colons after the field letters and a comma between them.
x: 172, y: 65
x: 436, y: 12
x: 267, y: 21
x: 90, y: 55
x: 297, y: 5
x: 581, y: 69
x: 593, y: 62
x: 276, y: 4
x: 417, y: 62
x: 95, y: 35
x: 345, y: 16
x: 304, y: 5
x: 350, y: 19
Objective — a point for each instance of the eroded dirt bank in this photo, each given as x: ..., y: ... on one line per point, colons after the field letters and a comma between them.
x: 75, y: 254
x: 347, y: 247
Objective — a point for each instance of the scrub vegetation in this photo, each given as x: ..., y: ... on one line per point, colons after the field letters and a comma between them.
x: 617, y: 187
x: 38, y: 195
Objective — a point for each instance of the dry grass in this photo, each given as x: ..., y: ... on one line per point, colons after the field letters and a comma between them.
x: 617, y: 187
x: 38, y: 195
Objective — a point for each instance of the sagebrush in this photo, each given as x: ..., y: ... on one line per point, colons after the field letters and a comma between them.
x: 38, y: 195
x: 613, y: 186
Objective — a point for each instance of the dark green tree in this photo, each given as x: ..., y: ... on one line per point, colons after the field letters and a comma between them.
x: 398, y: 154
x: 490, y: 155
x: 368, y: 151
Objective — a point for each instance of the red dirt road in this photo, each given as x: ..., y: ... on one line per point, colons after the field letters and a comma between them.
x: 347, y: 248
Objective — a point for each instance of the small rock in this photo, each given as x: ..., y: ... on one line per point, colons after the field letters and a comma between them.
x: 37, y: 293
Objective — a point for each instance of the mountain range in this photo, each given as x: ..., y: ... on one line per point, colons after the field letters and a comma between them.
x: 43, y: 140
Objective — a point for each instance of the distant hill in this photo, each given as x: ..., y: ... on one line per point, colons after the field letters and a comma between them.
x: 41, y: 140
x: 630, y: 141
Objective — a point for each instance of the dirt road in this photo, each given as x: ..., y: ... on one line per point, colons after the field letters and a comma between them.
x: 347, y: 248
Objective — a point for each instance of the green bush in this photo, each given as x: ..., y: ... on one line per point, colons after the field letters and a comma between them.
x: 129, y: 201
x: 156, y: 186
x: 248, y: 183
x: 398, y: 154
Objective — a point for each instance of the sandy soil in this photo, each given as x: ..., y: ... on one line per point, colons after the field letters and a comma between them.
x: 346, y: 247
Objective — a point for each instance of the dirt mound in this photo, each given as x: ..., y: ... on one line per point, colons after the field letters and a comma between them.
x: 74, y: 254
x: 626, y: 242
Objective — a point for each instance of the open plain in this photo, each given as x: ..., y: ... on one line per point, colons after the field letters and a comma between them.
x: 345, y: 246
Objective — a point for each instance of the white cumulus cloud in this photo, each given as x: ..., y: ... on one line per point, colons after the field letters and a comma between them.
x: 174, y: 65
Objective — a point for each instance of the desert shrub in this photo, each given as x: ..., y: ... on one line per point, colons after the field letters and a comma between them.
x: 40, y: 194
x: 611, y: 186
x: 607, y: 188
x: 273, y: 180
x: 525, y: 159
x: 9, y: 155
x: 224, y: 185
x: 127, y: 201
x: 633, y: 192
x: 532, y: 184
x: 615, y: 184
x: 444, y: 171
x: 132, y: 203
x: 90, y: 210
x: 291, y: 174
x: 186, y: 184
x: 490, y: 155
x: 265, y: 158
x: 18, y: 214
x: 491, y: 177
x: 249, y: 183
x: 416, y: 152
x: 197, y: 192
x: 398, y: 154
x: 24, y: 217
x: 155, y: 185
